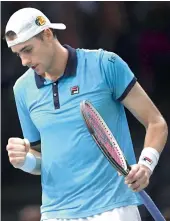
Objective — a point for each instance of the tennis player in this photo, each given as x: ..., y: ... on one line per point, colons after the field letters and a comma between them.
x: 78, y: 183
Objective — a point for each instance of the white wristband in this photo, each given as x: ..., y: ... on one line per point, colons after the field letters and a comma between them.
x: 149, y: 157
x: 29, y: 164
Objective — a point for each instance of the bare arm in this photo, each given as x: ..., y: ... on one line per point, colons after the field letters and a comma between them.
x: 141, y: 106
x: 36, y: 151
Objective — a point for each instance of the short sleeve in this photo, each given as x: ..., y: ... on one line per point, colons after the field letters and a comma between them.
x: 29, y: 130
x: 118, y: 75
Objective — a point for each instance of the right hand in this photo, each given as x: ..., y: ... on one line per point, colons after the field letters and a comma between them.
x: 17, y: 150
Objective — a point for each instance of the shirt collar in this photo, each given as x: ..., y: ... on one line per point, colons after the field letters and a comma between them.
x: 70, y: 69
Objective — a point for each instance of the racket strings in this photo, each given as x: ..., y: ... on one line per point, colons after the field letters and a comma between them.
x: 104, y: 137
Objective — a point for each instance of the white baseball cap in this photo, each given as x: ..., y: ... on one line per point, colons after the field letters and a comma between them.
x: 28, y: 22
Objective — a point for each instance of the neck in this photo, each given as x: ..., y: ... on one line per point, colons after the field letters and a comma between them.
x: 58, y: 63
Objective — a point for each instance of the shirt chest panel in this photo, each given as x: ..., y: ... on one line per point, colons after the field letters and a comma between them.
x: 68, y: 92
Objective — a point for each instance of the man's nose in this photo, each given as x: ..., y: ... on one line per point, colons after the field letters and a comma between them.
x: 25, y: 61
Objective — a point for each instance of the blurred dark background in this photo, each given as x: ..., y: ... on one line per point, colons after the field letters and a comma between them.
x: 140, y: 33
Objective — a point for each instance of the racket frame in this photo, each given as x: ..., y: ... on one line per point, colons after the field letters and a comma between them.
x: 100, y: 145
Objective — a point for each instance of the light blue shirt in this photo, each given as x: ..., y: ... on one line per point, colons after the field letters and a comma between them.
x: 77, y: 180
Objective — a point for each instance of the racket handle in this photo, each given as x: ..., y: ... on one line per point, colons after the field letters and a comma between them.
x: 151, y: 207
x: 128, y: 167
x: 149, y: 204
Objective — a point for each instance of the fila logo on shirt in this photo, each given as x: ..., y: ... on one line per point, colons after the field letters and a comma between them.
x: 74, y: 90
x: 148, y: 160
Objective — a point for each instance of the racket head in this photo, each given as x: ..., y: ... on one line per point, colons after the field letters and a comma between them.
x: 104, y: 137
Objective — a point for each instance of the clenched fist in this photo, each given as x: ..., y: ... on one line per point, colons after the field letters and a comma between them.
x: 17, y: 150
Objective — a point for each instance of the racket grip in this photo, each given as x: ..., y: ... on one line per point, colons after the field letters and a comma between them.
x: 128, y: 167
x: 151, y: 207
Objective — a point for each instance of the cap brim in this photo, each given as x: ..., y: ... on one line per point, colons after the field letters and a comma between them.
x: 59, y: 26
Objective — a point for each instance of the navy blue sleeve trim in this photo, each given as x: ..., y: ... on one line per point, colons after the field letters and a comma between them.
x: 35, y: 143
x: 128, y: 88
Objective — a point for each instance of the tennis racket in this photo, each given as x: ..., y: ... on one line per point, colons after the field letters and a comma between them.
x: 111, y: 150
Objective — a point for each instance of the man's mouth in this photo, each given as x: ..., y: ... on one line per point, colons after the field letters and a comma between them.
x: 33, y: 67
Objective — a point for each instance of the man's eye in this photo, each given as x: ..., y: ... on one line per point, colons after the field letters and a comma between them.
x: 28, y: 50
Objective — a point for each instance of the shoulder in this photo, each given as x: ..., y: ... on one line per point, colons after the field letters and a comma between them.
x: 23, y: 81
x: 101, y: 55
x: 89, y: 54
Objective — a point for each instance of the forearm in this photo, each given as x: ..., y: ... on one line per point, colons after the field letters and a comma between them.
x: 156, y: 135
x: 155, y: 139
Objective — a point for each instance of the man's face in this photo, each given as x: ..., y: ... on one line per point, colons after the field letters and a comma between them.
x: 35, y: 53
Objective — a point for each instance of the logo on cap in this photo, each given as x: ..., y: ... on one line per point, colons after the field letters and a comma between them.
x: 40, y: 20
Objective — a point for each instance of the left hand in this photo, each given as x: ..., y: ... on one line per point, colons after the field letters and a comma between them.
x: 138, y: 177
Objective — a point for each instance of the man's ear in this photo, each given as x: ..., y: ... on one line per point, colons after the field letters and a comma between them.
x: 48, y: 34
